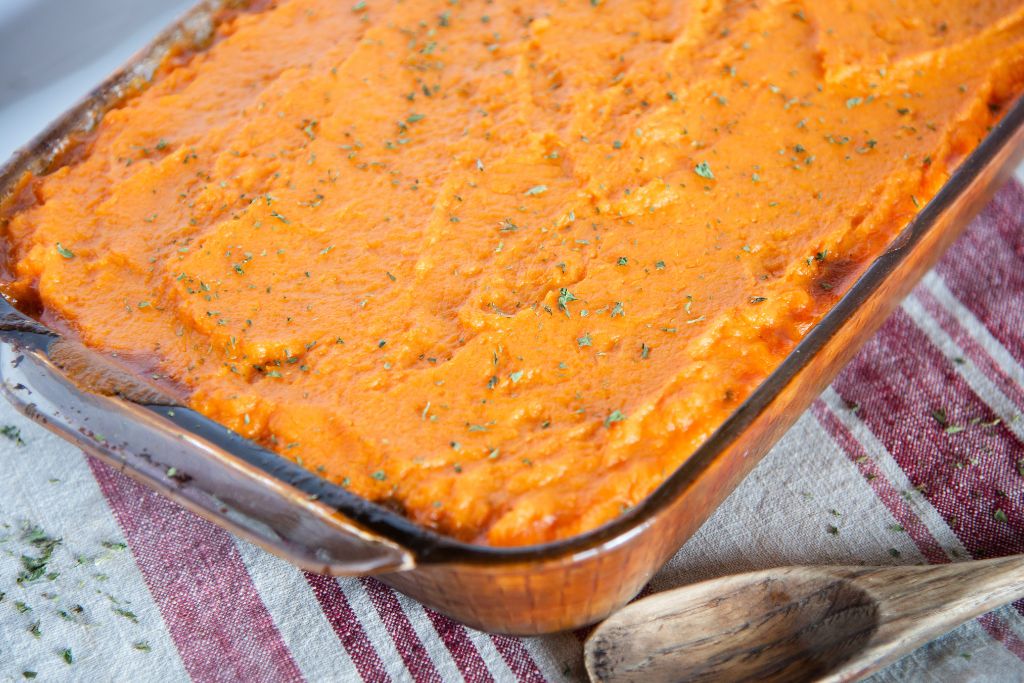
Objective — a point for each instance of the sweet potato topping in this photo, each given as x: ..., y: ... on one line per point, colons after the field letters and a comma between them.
x: 504, y: 265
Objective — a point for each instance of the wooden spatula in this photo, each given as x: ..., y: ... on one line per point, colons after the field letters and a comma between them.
x: 796, y: 623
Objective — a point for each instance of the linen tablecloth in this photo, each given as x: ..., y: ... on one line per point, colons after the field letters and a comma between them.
x: 913, y: 455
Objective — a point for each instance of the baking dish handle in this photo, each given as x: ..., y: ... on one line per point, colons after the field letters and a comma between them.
x: 135, y: 427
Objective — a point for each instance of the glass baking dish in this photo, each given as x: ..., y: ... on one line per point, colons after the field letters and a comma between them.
x: 91, y: 401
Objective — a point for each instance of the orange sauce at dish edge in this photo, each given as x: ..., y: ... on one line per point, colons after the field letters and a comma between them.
x: 504, y: 266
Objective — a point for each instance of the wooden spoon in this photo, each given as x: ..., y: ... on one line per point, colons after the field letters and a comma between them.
x: 796, y: 623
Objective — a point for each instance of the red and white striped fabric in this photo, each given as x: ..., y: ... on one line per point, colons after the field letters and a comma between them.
x: 913, y: 455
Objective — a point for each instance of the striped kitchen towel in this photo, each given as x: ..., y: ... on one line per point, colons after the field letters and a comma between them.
x: 915, y: 454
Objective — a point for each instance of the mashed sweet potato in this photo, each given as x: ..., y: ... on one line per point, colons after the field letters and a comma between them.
x: 504, y: 265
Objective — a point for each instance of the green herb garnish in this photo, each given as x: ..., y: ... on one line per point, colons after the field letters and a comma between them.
x: 13, y: 433
x: 613, y: 417
x: 564, y: 297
